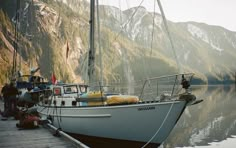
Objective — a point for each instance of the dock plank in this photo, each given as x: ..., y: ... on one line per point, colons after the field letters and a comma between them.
x: 42, y: 137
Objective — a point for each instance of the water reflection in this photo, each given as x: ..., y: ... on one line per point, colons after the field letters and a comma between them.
x: 213, y: 120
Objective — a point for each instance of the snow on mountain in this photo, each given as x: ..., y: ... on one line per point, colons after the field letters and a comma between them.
x: 116, y: 13
x: 158, y: 20
x: 216, y: 47
x: 186, y: 55
x: 197, y: 32
x: 201, y: 34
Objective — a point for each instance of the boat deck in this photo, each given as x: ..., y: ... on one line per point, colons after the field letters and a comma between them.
x: 42, y: 137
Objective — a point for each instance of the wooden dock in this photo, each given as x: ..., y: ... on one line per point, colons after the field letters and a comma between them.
x: 42, y: 137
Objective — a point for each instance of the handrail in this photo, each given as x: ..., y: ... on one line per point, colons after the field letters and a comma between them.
x: 158, y: 88
x: 174, y: 85
x: 147, y: 79
x: 142, y: 89
x: 168, y: 76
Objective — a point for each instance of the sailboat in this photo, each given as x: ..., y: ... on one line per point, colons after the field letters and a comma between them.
x: 114, y: 117
x: 30, y: 85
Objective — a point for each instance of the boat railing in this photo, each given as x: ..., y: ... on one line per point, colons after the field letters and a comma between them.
x: 165, y: 87
x: 157, y: 88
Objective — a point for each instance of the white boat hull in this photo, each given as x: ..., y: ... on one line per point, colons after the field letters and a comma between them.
x: 146, y: 122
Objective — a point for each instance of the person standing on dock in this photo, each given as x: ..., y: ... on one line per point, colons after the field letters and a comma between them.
x: 13, y: 92
x: 5, y: 95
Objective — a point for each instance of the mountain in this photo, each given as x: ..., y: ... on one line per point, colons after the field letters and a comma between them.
x: 132, y: 48
x: 44, y: 25
x: 209, y: 50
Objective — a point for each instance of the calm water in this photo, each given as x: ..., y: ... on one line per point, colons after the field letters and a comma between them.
x: 210, y: 124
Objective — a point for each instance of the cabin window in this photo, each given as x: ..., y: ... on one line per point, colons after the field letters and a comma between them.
x: 74, y: 103
x: 54, y: 102
x: 83, y: 88
x: 70, y: 89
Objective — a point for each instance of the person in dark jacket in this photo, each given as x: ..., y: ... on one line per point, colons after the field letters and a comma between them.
x: 12, y: 92
x: 5, y: 95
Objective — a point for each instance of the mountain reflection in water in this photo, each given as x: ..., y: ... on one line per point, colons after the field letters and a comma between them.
x: 208, y: 124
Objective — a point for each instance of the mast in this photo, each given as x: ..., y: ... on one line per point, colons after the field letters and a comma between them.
x: 15, y: 40
x: 91, y: 56
x: 28, y: 32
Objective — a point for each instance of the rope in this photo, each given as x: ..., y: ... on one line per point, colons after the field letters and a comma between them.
x: 160, y: 126
x: 153, y: 24
x: 50, y: 105
x: 58, y: 121
x: 57, y: 132
x: 57, y: 115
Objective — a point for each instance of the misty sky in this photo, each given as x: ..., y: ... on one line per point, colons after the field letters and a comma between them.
x: 213, y: 12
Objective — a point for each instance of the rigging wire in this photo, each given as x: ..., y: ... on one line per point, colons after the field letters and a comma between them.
x: 153, y: 24
x: 28, y: 29
x: 145, y: 65
x: 127, y: 3
x: 128, y: 21
x: 120, y: 12
x: 121, y: 78
x: 16, y: 39
x: 152, y: 37
x: 82, y: 28
x: 125, y: 24
x: 158, y: 130
x: 99, y: 45
x: 20, y: 50
x: 169, y: 36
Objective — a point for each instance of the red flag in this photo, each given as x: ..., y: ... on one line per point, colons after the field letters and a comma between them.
x: 67, y: 50
x: 54, y: 80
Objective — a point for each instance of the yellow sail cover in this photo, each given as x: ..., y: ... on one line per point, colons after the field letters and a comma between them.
x: 122, y: 99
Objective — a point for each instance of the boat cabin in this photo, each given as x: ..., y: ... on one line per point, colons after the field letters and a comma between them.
x: 69, y: 90
x: 29, y: 81
x: 65, y: 94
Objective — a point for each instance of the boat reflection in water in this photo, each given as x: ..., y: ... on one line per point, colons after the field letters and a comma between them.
x: 215, y: 116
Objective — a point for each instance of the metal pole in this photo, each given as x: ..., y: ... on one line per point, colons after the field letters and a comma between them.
x: 78, y: 143
x: 91, y: 57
